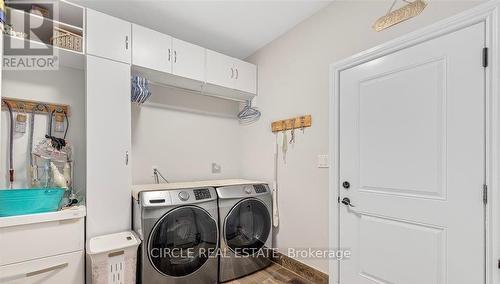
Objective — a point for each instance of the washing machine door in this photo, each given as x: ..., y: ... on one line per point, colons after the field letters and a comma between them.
x: 182, y: 241
x: 247, y: 227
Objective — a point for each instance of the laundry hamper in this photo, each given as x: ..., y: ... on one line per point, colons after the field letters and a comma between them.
x: 112, y: 258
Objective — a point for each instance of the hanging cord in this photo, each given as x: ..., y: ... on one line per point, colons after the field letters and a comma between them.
x: 58, y: 143
x: 276, y: 215
x: 32, y: 127
x: 157, y: 174
x: 67, y: 125
x: 11, y: 146
x: 249, y: 114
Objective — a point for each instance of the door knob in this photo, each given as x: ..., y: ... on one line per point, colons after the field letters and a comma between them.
x: 347, y: 201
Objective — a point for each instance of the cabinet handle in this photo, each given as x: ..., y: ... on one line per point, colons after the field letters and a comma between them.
x: 232, y: 73
x: 126, y: 158
x: 126, y: 42
x: 175, y: 56
x: 237, y: 74
x: 169, y: 54
x: 45, y: 270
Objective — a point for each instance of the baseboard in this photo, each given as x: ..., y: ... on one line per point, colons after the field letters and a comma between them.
x: 302, y: 269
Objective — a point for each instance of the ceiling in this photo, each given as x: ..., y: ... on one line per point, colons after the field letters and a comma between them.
x: 236, y: 28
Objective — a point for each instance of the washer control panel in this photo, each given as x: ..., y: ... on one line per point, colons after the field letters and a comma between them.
x: 202, y: 193
x: 260, y: 188
x: 184, y: 195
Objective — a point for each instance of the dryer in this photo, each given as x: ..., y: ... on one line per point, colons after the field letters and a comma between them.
x: 179, y: 231
x: 245, y: 213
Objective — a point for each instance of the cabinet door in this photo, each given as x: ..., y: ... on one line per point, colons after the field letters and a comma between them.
x: 220, y: 69
x: 189, y: 60
x: 151, y: 49
x: 108, y: 37
x: 246, y: 76
x: 108, y: 146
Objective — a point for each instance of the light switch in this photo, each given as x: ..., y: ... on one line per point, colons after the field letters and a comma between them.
x: 323, y: 161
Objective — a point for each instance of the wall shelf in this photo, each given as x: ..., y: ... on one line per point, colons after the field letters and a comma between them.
x: 67, y: 58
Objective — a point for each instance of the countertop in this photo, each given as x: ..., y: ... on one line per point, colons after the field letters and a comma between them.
x: 64, y: 214
x: 136, y: 189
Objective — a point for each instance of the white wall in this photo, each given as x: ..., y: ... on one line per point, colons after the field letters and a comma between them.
x: 65, y: 86
x: 294, y: 80
x: 184, y: 139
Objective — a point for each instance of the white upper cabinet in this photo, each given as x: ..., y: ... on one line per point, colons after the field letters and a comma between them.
x: 220, y: 69
x: 170, y: 61
x: 108, y: 37
x: 188, y: 60
x: 230, y: 72
x: 151, y: 49
x: 245, y: 76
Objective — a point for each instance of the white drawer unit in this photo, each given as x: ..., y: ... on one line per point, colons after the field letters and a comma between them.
x: 58, y: 233
x: 64, y: 268
x: 43, y: 248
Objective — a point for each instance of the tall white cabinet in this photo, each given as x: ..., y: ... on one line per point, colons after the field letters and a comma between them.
x: 108, y: 128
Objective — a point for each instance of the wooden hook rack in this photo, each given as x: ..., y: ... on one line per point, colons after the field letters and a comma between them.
x: 292, y: 123
x: 17, y: 105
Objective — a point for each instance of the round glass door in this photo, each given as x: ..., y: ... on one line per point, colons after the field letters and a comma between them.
x: 247, y: 227
x: 182, y: 240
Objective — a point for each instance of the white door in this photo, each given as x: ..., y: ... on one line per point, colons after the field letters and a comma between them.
x: 220, y: 69
x: 108, y: 146
x: 246, y: 76
x: 188, y: 60
x: 151, y: 49
x: 108, y: 37
x: 412, y: 148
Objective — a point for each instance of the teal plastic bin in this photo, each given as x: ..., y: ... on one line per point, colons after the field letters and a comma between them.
x: 29, y: 201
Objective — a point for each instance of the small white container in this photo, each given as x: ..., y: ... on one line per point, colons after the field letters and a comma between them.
x: 112, y: 258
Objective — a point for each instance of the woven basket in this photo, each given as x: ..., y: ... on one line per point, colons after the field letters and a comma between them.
x: 65, y: 39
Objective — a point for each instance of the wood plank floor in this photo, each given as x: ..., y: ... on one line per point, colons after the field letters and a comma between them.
x: 274, y: 274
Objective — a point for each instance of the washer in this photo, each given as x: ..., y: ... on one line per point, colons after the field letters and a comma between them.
x: 179, y: 231
x: 246, y: 220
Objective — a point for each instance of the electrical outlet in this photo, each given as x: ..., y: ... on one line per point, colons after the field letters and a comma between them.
x: 216, y: 168
x: 323, y: 161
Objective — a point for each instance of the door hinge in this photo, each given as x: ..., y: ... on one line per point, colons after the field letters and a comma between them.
x: 485, y: 57
x: 485, y: 194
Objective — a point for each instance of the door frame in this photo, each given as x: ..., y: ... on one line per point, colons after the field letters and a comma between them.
x: 488, y: 13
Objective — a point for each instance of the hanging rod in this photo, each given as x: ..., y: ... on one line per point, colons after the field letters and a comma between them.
x: 196, y: 92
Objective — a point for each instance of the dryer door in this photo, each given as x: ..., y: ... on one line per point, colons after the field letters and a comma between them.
x: 247, y: 227
x: 182, y: 241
